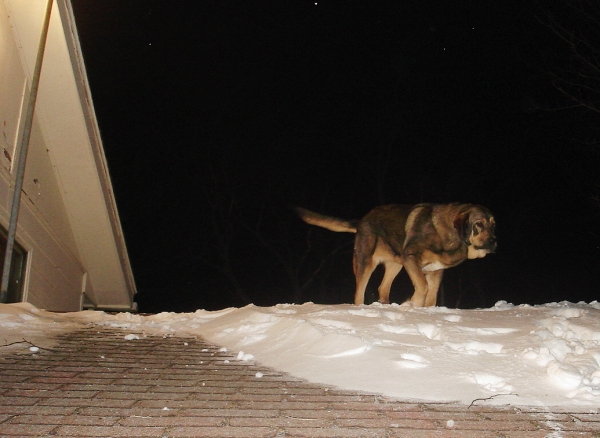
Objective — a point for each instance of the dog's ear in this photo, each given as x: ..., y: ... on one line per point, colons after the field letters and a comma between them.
x: 462, y: 225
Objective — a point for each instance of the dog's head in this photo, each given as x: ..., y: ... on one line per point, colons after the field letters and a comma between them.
x: 476, y: 227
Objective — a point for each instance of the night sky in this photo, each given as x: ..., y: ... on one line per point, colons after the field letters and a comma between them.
x: 218, y: 116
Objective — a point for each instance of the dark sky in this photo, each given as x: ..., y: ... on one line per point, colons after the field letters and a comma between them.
x: 217, y: 116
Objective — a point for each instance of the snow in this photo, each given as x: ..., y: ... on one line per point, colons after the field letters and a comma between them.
x: 547, y: 355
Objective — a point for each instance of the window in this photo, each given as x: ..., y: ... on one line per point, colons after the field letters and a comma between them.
x: 17, y: 268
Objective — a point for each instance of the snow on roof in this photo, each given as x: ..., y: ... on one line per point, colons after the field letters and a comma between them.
x: 546, y: 355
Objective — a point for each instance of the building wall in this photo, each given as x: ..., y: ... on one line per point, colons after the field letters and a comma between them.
x: 55, y: 274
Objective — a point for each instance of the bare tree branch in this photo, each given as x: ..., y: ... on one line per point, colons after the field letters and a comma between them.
x: 31, y: 345
x: 489, y: 398
x: 577, y: 24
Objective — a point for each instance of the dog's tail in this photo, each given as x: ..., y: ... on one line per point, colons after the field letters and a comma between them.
x: 331, y: 223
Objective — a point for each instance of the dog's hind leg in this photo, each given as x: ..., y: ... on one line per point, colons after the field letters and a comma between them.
x: 363, y: 268
x: 391, y: 270
x: 363, y: 260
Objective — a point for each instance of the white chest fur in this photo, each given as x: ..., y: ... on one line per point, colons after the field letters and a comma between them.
x: 431, y: 267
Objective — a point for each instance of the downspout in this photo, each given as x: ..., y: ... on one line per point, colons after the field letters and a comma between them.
x: 16, y: 202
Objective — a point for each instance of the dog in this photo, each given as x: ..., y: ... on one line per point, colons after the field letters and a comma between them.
x: 425, y: 239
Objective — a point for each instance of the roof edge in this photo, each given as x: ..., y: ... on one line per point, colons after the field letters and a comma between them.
x: 75, y: 53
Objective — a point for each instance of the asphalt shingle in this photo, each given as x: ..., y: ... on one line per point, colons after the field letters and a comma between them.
x: 95, y: 383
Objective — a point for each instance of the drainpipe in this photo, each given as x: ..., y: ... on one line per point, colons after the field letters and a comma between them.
x: 14, y: 213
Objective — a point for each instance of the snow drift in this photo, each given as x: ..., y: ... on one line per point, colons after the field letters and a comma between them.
x: 546, y: 355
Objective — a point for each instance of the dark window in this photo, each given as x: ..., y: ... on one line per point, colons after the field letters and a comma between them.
x: 17, y: 269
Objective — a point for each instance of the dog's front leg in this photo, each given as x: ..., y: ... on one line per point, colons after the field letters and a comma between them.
x: 413, y: 268
x: 433, y: 285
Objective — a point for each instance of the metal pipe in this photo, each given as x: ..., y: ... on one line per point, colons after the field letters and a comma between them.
x: 16, y: 202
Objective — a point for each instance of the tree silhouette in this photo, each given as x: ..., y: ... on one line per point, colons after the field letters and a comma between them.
x: 577, y: 75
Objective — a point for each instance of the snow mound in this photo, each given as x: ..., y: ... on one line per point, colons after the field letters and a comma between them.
x: 546, y: 355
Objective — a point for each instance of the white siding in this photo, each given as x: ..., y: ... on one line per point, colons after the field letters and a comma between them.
x: 68, y: 220
x: 55, y: 277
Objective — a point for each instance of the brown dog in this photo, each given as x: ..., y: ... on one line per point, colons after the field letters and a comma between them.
x: 424, y: 238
